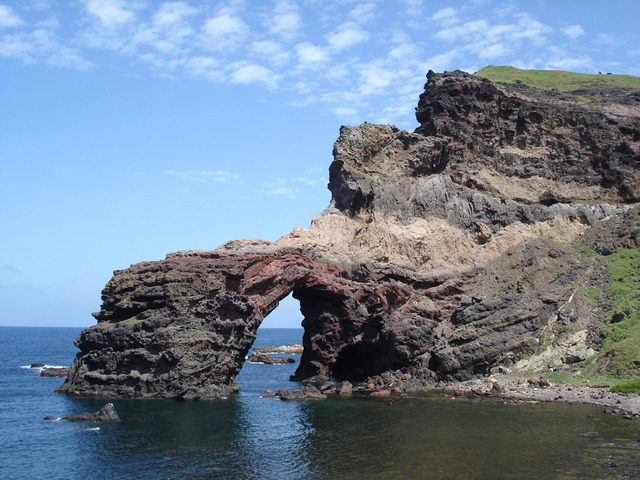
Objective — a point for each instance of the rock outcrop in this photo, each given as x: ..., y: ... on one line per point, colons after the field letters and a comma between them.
x: 106, y: 414
x: 445, y: 253
x: 260, y: 357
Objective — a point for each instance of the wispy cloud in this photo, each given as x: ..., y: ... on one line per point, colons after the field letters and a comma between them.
x: 169, y: 28
x: 291, y: 187
x: 224, y: 32
x: 311, y: 56
x: 111, y: 14
x: 9, y: 18
x: 41, y: 45
x: 573, y: 31
x: 363, y: 61
x: 346, y: 36
x: 253, y: 73
x: 213, y: 176
x: 285, y: 20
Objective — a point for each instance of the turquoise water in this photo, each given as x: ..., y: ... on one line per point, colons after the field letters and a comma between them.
x: 249, y: 437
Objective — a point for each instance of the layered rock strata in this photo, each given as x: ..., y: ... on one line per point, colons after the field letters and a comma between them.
x: 445, y: 253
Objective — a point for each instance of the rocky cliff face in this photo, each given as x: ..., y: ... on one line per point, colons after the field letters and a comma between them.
x: 445, y: 253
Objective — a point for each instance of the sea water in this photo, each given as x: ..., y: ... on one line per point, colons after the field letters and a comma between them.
x: 252, y: 436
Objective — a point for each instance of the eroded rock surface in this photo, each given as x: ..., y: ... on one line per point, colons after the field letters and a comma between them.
x: 445, y: 253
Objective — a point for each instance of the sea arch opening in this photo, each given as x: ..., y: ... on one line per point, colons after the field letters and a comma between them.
x: 280, y: 327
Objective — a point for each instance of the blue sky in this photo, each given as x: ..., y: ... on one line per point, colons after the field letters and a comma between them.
x: 130, y: 129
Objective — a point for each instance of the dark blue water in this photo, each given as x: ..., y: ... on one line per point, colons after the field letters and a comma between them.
x: 250, y: 437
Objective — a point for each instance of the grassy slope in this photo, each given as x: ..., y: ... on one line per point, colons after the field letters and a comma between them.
x: 619, y: 356
x: 618, y: 361
x: 558, y: 79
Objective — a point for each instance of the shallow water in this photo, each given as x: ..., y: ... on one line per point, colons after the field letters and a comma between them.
x: 249, y: 437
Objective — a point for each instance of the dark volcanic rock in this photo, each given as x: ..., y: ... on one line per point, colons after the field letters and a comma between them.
x: 106, y: 414
x: 445, y: 252
x: 307, y: 392
x: 269, y: 359
x: 54, y: 372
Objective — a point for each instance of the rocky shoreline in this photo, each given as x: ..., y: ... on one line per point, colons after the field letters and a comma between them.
x: 539, y: 390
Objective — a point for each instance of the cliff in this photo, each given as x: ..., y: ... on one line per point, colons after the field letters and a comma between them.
x: 446, y: 253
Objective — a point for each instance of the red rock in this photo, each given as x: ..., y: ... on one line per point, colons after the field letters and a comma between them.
x: 344, y: 388
x: 381, y: 393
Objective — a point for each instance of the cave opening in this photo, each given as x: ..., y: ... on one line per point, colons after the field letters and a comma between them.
x: 361, y: 360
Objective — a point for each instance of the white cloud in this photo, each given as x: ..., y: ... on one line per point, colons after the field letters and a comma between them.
x: 41, y: 45
x: 404, y: 52
x: 346, y: 36
x: 363, y: 13
x: 223, y: 32
x: 271, y: 51
x: 444, y: 61
x: 310, y: 56
x: 253, y: 73
x: 374, y: 78
x: 607, y: 40
x: 465, y: 30
x: 344, y: 111
x: 112, y: 14
x: 337, y: 72
x: 573, y: 31
x: 493, y: 51
x: 285, y: 20
x: 8, y: 18
x: 444, y: 15
x: 562, y: 60
x: 205, y: 66
x: 169, y: 27
x: 217, y: 176
x: 288, y: 187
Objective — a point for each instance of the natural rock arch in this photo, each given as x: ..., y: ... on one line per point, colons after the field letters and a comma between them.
x: 181, y: 328
x: 444, y: 252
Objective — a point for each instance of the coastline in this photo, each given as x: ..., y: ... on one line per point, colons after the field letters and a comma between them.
x: 522, y: 390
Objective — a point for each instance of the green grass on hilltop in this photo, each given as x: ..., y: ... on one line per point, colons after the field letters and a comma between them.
x: 558, y: 79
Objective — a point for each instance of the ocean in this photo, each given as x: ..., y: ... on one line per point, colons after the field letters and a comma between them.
x: 252, y: 437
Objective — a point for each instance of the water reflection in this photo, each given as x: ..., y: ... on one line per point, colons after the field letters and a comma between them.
x: 249, y: 437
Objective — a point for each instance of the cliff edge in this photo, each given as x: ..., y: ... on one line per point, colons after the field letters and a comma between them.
x: 449, y: 252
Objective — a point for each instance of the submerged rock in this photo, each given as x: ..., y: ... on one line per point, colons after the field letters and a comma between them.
x: 307, y: 392
x: 106, y: 414
x: 54, y: 372
x: 269, y: 359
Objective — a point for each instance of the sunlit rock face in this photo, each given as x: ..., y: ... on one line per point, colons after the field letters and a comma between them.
x: 444, y: 253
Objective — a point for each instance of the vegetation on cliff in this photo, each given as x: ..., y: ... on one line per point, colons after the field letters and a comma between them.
x: 557, y: 79
x: 618, y: 361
